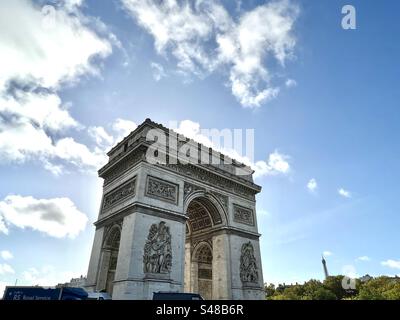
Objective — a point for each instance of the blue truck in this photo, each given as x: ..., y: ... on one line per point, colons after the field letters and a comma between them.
x: 41, y: 293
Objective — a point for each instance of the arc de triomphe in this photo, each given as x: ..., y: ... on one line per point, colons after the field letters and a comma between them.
x: 175, y: 227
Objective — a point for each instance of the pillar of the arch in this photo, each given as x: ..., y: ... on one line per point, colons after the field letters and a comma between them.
x: 245, y: 290
x: 131, y: 282
x: 95, y: 259
x: 255, y: 291
x: 187, y: 280
x: 194, y: 276
x: 221, y: 267
x: 103, y: 270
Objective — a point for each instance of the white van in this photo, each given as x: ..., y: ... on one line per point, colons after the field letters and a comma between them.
x: 98, y: 296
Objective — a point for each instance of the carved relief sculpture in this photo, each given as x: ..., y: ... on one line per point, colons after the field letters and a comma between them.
x: 157, y: 256
x: 205, y: 176
x: 122, y: 192
x: 243, y: 215
x: 161, y: 189
x: 190, y: 188
x: 248, y: 265
x: 222, y: 199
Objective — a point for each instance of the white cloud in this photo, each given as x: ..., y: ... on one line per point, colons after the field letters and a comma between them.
x: 6, y: 268
x: 42, y: 109
x: 100, y: 135
x: 349, y: 271
x: 47, y: 54
x: 363, y: 258
x: 192, y: 130
x: 55, y: 169
x: 344, y: 193
x: 46, y: 276
x: 158, y: 71
x: 327, y: 253
x: 22, y: 141
x: 6, y: 255
x: 277, y: 164
x: 242, y: 45
x: 260, y: 33
x: 3, y: 227
x: 42, y: 50
x: 394, y: 264
x: 73, y: 4
x: 105, y: 140
x: 79, y: 154
x: 290, y: 83
x: 57, y: 217
x: 312, y: 185
x: 123, y: 127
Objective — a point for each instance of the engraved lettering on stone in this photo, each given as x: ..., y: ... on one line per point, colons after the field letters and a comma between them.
x: 243, y: 215
x: 248, y: 265
x: 120, y: 193
x: 162, y: 189
x: 157, y: 256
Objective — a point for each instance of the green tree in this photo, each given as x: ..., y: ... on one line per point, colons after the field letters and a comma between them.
x: 381, y: 288
x: 269, y: 290
x: 291, y: 292
x: 322, y: 294
x: 334, y: 284
x: 315, y: 290
x: 279, y: 297
x: 393, y: 292
x: 294, y: 292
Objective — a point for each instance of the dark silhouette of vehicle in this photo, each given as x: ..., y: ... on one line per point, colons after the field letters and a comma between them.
x: 40, y: 293
x: 164, y: 295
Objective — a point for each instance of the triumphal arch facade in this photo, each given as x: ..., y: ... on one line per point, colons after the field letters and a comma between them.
x: 172, y: 226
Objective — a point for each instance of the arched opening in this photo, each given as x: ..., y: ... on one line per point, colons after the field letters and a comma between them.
x: 109, y: 260
x: 203, y: 259
x: 203, y: 219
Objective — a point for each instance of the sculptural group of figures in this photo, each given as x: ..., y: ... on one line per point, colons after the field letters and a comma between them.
x: 157, y: 251
x: 248, y: 265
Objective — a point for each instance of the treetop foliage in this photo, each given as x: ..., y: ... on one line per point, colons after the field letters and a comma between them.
x: 380, y: 288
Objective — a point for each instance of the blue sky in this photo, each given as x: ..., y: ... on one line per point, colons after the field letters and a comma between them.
x: 101, y: 67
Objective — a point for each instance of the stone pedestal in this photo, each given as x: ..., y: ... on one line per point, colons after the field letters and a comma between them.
x: 132, y: 280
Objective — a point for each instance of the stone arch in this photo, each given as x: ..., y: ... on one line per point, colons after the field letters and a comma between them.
x: 198, y: 253
x: 201, y: 273
x: 218, y: 214
x: 112, y: 238
x: 109, y: 259
x: 206, y: 216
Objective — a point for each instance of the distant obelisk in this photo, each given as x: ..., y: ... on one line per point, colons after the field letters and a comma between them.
x: 325, y: 267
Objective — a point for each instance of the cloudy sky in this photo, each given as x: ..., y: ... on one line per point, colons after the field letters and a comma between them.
x: 78, y: 75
